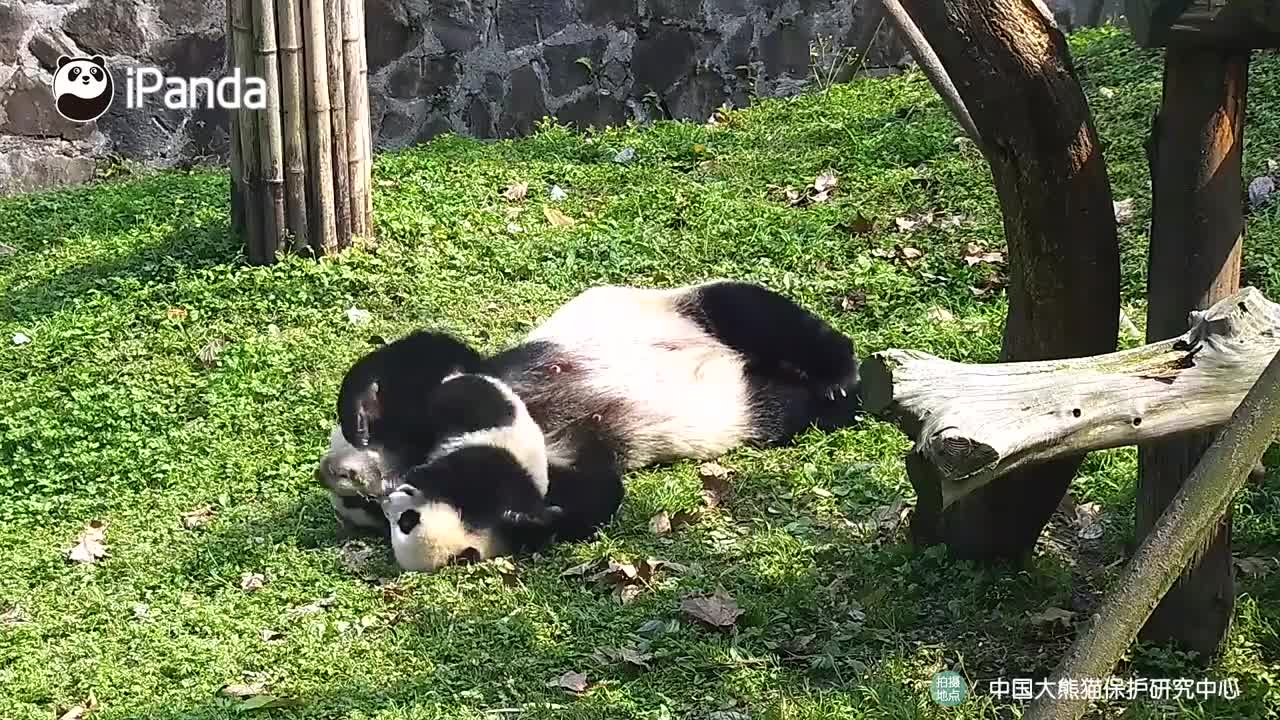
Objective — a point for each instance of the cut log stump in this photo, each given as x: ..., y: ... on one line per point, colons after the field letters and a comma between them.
x: 974, y: 423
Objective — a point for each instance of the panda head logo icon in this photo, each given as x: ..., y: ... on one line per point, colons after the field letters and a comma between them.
x: 82, y: 88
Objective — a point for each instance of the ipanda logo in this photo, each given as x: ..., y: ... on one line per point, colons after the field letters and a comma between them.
x: 83, y: 89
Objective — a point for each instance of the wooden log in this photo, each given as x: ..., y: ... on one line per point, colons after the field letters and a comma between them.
x: 293, y: 118
x: 1195, y: 153
x: 973, y: 424
x: 356, y: 83
x: 254, y: 232
x: 335, y: 47
x: 324, y: 239
x: 1189, y: 521
x: 271, y: 144
x: 1013, y: 70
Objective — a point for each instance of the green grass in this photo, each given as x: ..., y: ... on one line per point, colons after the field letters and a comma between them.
x: 107, y: 414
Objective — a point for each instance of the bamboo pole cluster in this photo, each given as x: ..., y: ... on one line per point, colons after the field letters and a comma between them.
x: 301, y: 166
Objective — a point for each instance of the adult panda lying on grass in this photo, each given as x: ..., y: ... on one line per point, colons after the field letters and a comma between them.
x: 470, y: 457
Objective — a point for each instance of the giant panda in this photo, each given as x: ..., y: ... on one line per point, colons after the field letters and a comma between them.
x: 616, y: 379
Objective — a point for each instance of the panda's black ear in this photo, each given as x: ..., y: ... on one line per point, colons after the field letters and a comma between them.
x: 97, y: 60
x: 63, y: 60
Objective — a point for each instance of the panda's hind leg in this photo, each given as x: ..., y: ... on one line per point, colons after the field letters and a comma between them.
x: 781, y: 340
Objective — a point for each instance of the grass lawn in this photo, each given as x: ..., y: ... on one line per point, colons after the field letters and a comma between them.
x: 109, y: 414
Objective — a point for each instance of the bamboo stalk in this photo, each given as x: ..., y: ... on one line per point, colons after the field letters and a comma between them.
x: 367, y: 123
x: 293, y: 118
x: 249, y: 173
x: 324, y: 236
x: 233, y: 130
x: 357, y: 113
x: 270, y: 141
x: 334, y: 41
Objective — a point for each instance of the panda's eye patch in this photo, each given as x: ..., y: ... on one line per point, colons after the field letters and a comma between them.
x: 96, y: 73
x: 75, y: 73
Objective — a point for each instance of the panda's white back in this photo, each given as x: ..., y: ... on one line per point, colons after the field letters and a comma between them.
x: 686, y: 391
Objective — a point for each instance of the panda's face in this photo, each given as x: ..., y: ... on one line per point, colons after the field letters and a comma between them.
x: 83, y: 78
x: 430, y: 533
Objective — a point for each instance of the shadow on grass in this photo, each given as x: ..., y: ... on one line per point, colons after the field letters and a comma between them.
x: 102, y: 224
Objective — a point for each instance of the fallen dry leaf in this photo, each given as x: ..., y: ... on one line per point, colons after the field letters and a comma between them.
x: 516, y: 192
x: 506, y: 571
x: 628, y: 655
x: 1089, y: 521
x: 176, y: 314
x: 13, y: 616
x: 271, y: 637
x: 859, y: 225
x: 1260, y: 191
x: 354, y: 555
x: 660, y: 524
x: 250, y: 582
x: 975, y: 254
x: 198, y: 518
x: 571, y: 681
x: 825, y: 182
x: 1123, y: 210
x: 76, y: 712
x: 141, y: 611
x: 320, y: 605
x: 208, y: 355
x: 940, y: 315
x: 7, y: 250
x: 728, y: 715
x: 717, y: 610
x: 910, y: 253
x: 616, y: 573
x: 557, y: 218
x: 1051, y: 616
x: 992, y: 284
x: 21, y: 339
x: 715, y: 484
x: 1255, y: 567
x: 853, y: 302
x: 242, y: 691
x: 91, y: 545
x: 557, y: 193
x: 1106, y: 92
x: 358, y: 317
x: 685, y: 518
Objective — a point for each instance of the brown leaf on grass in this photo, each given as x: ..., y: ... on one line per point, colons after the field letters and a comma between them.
x: 910, y: 253
x: 557, y: 218
x: 1123, y: 210
x: 940, y: 315
x: 823, y: 186
x: 628, y: 655
x: 198, y: 518
x: 574, y: 682
x: 506, y: 571
x: 175, y: 314
x: 649, y: 569
x: 905, y: 254
x: 249, y: 582
x: 1089, y: 521
x: 80, y: 710
x: 13, y: 616
x: 859, y: 225
x: 239, y: 692
x: 208, y: 355
x: 1255, y: 567
x: 271, y: 637
x: 516, y: 192
x: 580, y: 570
x: 685, y: 518
x: 355, y: 555
x: 975, y: 254
x: 715, y: 483
x: 1051, y: 616
x: 991, y: 285
x: 91, y: 545
x: 616, y: 573
x: 660, y: 524
x: 853, y: 302
x: 718, y: 609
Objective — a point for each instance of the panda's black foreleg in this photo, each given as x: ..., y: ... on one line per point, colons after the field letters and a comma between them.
x: 586, y: 496
x: 777, y: 336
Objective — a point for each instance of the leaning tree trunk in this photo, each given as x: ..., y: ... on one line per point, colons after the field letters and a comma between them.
x: 1197, y: 224
x: 1013, y: 71
x: 1177, y: 537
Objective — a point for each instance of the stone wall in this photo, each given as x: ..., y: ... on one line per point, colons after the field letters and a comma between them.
x: 484, y: 68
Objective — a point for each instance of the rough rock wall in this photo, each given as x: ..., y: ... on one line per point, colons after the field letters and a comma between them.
x: 484, y: 68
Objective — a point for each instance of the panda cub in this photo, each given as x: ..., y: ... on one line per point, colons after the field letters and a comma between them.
x: 616, y: 379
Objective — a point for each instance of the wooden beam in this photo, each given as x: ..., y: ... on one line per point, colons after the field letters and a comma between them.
x: 973, y: 424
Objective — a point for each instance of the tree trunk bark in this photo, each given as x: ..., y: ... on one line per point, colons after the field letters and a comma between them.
x: 1197, y: 224
x: 1012, y: 68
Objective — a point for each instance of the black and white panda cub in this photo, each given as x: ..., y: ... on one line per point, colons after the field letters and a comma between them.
x: 473, y: 457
